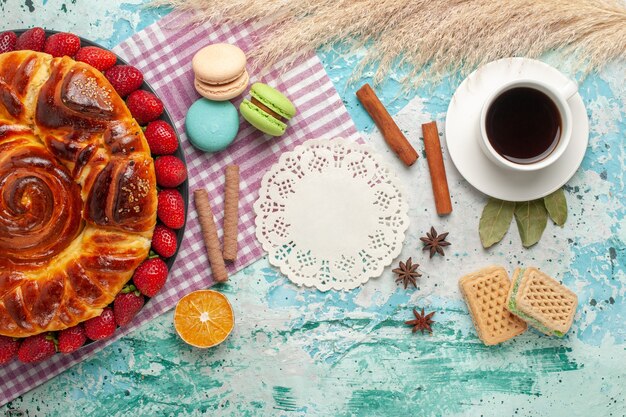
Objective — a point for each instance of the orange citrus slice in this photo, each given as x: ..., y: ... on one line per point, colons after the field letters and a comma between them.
x: 204, y: 318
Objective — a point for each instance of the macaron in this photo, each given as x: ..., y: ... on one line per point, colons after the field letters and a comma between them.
x: 220, y: 71
x: 268, y: 109
x: 211, y: 125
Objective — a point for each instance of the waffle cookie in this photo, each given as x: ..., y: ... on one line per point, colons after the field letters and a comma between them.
x: 485, y: 293
x: 541, y: 301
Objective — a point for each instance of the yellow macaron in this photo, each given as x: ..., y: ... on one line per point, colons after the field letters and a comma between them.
x: 220, y: 71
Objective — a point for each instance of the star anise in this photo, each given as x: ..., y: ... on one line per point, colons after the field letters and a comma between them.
x: 422, y: 322
x: 407, y: 273
x: 434, y: 242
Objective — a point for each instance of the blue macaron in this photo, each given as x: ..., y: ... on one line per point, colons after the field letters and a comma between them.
x: 212, y: 125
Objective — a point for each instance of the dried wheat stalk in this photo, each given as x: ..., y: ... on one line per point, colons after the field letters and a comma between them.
x: 432, y: 36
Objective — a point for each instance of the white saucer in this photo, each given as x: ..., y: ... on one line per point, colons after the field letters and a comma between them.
x: 463, y: 133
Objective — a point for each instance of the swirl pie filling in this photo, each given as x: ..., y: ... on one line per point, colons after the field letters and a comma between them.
x: 77, y: 193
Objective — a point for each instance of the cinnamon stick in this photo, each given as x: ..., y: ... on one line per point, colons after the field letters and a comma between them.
x: 209, y: 234
x: 438, y: 178
x: 389, y: 129
x: 231, y: 212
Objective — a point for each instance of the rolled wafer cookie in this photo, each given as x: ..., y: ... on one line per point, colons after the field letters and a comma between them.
x: 231, y: 212
x: 485, y: 293
x: 209, y: 234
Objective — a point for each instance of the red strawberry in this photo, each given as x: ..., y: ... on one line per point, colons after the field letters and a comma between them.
x: 150, y: 276
x: 8, y: 349
x: 164, y: 241
x: 62, y: 44
x: 171, y: 208
x: 127, y: 304
x: 101, y: 327
x: 99, y: 58
x: 161, y: 138
x: 170, y: 171
x: 144, y: 106
x: 7, y: 41
x: 33, y: 39
x: 124, y: 78
x: 72, y: 338
x: 36, y: 348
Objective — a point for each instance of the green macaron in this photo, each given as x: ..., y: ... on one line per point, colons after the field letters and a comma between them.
x: 267, y: 110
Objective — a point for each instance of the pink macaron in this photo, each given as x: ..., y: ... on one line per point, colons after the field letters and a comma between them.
x: 220, y: 71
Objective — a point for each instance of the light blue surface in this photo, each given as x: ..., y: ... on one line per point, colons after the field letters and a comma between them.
x: 212, y: 125
x: 297, y: 351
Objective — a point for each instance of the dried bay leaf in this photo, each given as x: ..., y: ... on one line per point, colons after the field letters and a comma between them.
x: 557, y: 206
x: 495, y: 221
x: 531, y: 218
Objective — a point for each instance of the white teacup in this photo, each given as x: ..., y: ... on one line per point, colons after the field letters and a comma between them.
x: 559, y: 96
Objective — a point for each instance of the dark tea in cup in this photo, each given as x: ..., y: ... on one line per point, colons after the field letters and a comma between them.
x: 523, y: 125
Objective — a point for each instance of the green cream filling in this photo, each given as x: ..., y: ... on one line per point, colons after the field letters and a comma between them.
x: 532, y: 321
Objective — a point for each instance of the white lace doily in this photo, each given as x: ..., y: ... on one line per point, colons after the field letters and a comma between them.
x: 330, y: 214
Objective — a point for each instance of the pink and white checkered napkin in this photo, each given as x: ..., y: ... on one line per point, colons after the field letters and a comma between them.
x: 163, y: 52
